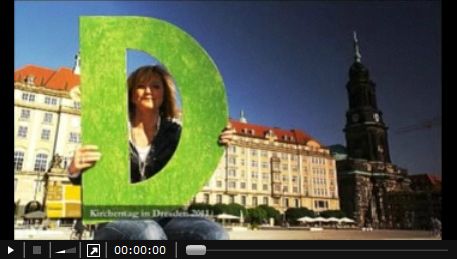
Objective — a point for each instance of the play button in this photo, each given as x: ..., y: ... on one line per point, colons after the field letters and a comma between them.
x: 10, y: 250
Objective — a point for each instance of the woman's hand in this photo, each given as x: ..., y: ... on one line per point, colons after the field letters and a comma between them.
x: 85, y: 157
x: 227, y: 134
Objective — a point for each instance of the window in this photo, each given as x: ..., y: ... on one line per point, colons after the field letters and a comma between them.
x: 286, y: 202
x: 295, y: 189
x: 47, y: 118
x: 25, y: 114
x: 77, y: 105
x: 22, y: 133
x: 254, y: 186
x: 40, y: 162
x: 219, y: 184
x: 277, y: 187
x: 242, y: 162
x: 264, y: 164
x: 232, y: 172
x: 243, y: 185
x: 232, y: 161
x: 219, y: 198
x: 265, y: 200
x: 50, y: 101
x: 265, y: 176
x: 253, y: 163
x: 232, y: 149
x: 243, y: 200
x: 285, y: 188
x: 265, y: 187
x: 297, y: 203
x: 231, y: 199
x: 284, y: 167
x: 231, y: 184
x: 264, y: 153
x: 254, y: 201
x: 206, y: 198
x: 276, y: 166
x: 294, y: 178
x: 18, y: 160
x: 28, y: 97
x: 74, y: 137
x: 45, y: 134
x: 254, y: 152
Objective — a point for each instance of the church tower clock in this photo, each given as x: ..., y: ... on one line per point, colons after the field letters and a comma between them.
x: 366, y: 133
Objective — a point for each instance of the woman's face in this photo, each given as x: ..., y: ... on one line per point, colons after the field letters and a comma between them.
x: 148, y: 94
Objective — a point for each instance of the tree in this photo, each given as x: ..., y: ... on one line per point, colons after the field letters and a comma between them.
x: 256, y: 215
x: 234, y: 209
x: 333, y: 213
x: 271, y: 212
x: 292, y: 214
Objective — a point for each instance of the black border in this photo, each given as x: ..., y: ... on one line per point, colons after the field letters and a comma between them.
x: 7, y: 104
x: 448, y: 176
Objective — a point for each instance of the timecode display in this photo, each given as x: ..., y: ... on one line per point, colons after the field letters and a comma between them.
x: 140, y: 250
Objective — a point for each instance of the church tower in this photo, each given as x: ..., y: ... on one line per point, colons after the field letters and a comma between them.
x: 368, y: 182
x: 366, y: 133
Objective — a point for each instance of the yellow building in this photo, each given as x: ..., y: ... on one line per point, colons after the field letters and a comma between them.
x: 46, y: 124
x: 276, y: 167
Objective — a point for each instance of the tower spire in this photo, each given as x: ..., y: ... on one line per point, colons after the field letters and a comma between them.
x: 242, y: 118
x: 76, y: 68
x: 357, y: 55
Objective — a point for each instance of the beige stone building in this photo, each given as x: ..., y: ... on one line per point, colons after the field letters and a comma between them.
x: 46, y: 123
x: 275, y: 167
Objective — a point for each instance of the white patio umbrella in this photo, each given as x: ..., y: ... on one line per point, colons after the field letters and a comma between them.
x: 321, y: 219
x: 333, y: 219
x: 226, y: 216
x: 306, y: 219
x: 346, y: 220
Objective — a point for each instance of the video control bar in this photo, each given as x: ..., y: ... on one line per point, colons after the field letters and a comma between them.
x: 270, y: 248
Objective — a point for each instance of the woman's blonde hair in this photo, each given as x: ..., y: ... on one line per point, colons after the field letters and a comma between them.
x: 143, y: 74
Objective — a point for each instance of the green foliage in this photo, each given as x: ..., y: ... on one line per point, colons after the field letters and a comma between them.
x: 220, y: 208
x: 292, y: 214
x: 271, y: 212
x: 256, y: 215
x: 235, y: 208
x: 333, y: 213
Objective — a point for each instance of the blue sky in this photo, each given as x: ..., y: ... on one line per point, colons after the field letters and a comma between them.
x: 286, y: 63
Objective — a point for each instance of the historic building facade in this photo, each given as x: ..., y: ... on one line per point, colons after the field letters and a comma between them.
x: 46, y: 132
x: 276, y: 167
x: 366, y: 174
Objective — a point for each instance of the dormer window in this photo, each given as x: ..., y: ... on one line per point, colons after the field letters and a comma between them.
x: 30, y: 80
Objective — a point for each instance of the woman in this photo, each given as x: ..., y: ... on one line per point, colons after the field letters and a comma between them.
x: 154, y: 135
